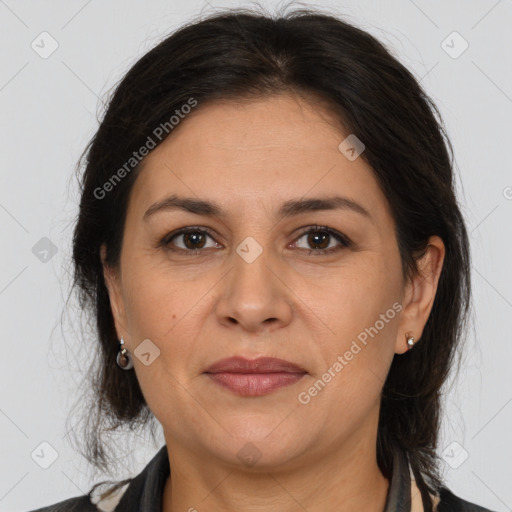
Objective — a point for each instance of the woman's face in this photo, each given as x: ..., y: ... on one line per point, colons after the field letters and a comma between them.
x: 251, y: 280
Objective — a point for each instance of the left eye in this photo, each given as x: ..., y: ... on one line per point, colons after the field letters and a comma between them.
x: 321, y: 236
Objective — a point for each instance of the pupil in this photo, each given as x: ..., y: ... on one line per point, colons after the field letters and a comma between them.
x: 314, y: 238
x: 195, y: 238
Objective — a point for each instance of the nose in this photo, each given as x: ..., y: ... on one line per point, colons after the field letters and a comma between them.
x: 255, y: 295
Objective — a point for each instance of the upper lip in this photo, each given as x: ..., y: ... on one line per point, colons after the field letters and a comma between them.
x: 259, y: 365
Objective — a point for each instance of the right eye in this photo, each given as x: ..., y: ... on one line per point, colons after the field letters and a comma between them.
x: 193, y: 240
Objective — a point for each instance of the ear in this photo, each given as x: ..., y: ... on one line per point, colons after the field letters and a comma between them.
x: 420, y: 293
x: 113, y: 283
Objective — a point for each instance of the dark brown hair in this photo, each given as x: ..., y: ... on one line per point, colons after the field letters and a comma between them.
x: 240, y: 54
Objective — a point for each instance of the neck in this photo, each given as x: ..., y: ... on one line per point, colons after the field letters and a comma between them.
x: 344, y: 480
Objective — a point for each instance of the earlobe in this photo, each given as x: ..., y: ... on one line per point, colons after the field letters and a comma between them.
x: 420, y: 295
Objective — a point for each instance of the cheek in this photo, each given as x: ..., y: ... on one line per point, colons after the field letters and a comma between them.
x: 354, y: 298
x: 361, y: 312
x: 160, y: 309
x: 356, y: 362
x: 156, y: 301
x: 342, y: 400
x: 168, y: 311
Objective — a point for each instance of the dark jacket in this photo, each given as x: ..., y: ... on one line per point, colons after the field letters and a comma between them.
x: 144, y: 493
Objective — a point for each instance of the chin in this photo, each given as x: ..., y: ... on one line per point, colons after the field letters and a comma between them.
x: 259, y: 446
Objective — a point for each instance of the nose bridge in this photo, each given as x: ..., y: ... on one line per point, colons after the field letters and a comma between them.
x: 251, y: 274
x: 253, y: 293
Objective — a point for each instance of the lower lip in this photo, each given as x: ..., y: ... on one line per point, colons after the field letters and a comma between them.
x: 255, y: 384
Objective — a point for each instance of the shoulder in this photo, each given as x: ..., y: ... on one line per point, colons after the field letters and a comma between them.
x: 449, y: 502
x: 101, y: 498
x: 146, y: 487
x: 77, y: 504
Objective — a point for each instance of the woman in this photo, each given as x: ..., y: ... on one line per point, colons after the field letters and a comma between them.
x: 270, y: 243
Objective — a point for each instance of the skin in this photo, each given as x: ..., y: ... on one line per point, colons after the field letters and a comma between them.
x: 250, y: 157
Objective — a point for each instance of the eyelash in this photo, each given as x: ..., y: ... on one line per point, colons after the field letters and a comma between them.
x: 344, y: 241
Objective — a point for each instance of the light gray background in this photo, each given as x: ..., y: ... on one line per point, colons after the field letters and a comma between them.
x: 49, y: 111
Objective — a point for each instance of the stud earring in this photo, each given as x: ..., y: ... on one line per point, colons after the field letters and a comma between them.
x: 410, y: 341
x: 124, y: 359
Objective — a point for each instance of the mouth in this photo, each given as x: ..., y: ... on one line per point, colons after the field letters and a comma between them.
x: 254, y: 377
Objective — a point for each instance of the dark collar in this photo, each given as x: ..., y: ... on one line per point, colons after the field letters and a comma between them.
x: 145, y: 492
x: 399, y: 493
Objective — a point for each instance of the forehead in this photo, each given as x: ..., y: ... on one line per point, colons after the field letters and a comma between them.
x: 255, y: 152
x: 280, y: 125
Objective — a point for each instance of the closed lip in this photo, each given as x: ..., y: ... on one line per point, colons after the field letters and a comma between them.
x: 259, y: 365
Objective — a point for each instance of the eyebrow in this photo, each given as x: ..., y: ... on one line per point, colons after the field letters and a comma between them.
x: 288, y: 208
